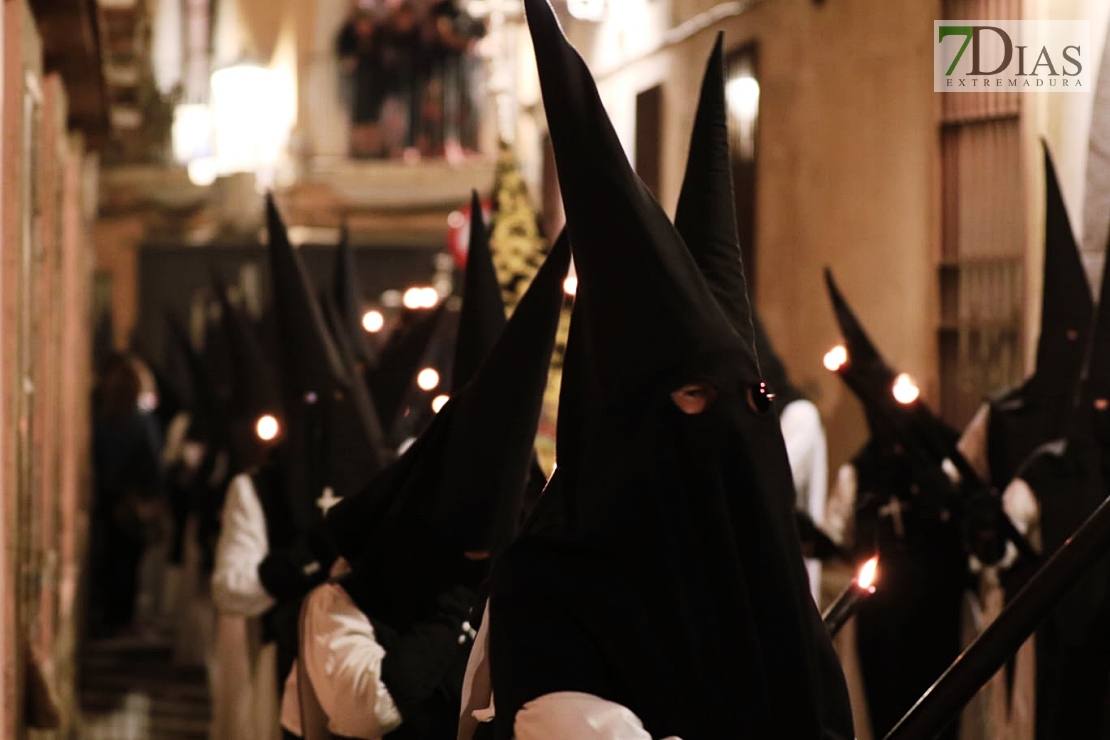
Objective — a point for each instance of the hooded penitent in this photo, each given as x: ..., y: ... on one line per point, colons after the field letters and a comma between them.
x: 481, y: 322
x: 255, y: 389
x: 1070, y: 479
x: 332, y: 447
x: 348, y: 296
x: 1036, y: 412
x: 457, y: 490
x: 909, y: 631
x: 676, y: 585
x: 872, y: 380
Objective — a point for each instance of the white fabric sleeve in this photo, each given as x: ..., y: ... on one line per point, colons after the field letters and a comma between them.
x: 291, y: 704
x: 243, y: 544
x: 1020, y: 504
x: 805, y: 447
x: 808, y: 453
x: 570, y: 714
x: 840, y: 513
x: 477, y: 692
x: 343, y: 660
x: 973, y: 442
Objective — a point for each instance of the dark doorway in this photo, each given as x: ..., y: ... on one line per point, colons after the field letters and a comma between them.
x: 649, y: 137
x: 742, y: 94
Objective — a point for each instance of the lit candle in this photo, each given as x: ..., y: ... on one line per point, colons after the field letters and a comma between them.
x: 848, y: 603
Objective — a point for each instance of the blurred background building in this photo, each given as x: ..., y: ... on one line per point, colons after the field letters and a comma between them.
x: 136, y: 137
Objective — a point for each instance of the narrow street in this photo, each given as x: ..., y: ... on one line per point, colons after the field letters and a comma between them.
x: 132, y: 691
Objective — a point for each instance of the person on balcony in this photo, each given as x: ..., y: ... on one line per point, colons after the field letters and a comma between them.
x: 397, y: 48
x: 449, y: 37
x: 361, y: 82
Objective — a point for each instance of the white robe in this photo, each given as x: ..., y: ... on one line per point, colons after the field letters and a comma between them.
x: 808, y: 453
x: 343, y: 661
x: 243, y: 672
x: 561, y: 714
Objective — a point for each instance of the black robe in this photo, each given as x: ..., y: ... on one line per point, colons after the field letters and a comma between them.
x: 908, y: 632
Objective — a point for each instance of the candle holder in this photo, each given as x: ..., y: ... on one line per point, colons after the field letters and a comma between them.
x: 848, y: 602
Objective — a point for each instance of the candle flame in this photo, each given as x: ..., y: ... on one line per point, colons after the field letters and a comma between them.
x: 905, y: 390
x: 373, y: 321
x: 836, y: 358
x: 867, y: 573
x: 427, y: 379
x: 267, y: 428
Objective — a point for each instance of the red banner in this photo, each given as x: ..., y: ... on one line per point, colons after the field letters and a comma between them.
x: 458, y: 231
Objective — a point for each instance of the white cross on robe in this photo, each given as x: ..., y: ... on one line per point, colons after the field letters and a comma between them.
x: 894, y: 510
x: 328, y: 500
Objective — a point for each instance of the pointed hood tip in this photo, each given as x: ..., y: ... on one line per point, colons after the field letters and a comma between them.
x: 1067, y: 304
x: 605, y: 198
x: 495, y: 418
x: 705, y: 217
x: 482, y: 315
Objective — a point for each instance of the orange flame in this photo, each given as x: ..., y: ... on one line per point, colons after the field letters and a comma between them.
x: 836, y: 358
x: 868, y: 573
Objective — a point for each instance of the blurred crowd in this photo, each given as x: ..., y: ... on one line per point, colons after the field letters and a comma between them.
x: 409, y: 79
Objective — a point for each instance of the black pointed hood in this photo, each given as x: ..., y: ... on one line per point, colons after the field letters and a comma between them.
x: 706, y: 220
x: 348, y: 297
x: 683, y: 559
x: 329, y: 443
x: 255, y: 384
x: 255, y: 388
x: 360, y: 395
x: 872, y: 380
x: 483, y: 311
x: 1070, y: 481
x: 706, y: 212
x: 618, y: 231
x: 1091, y: 416
x: 1066, y: 302
x: 1036, y: 412
x: 459, y: 487
x: 401, y: 359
